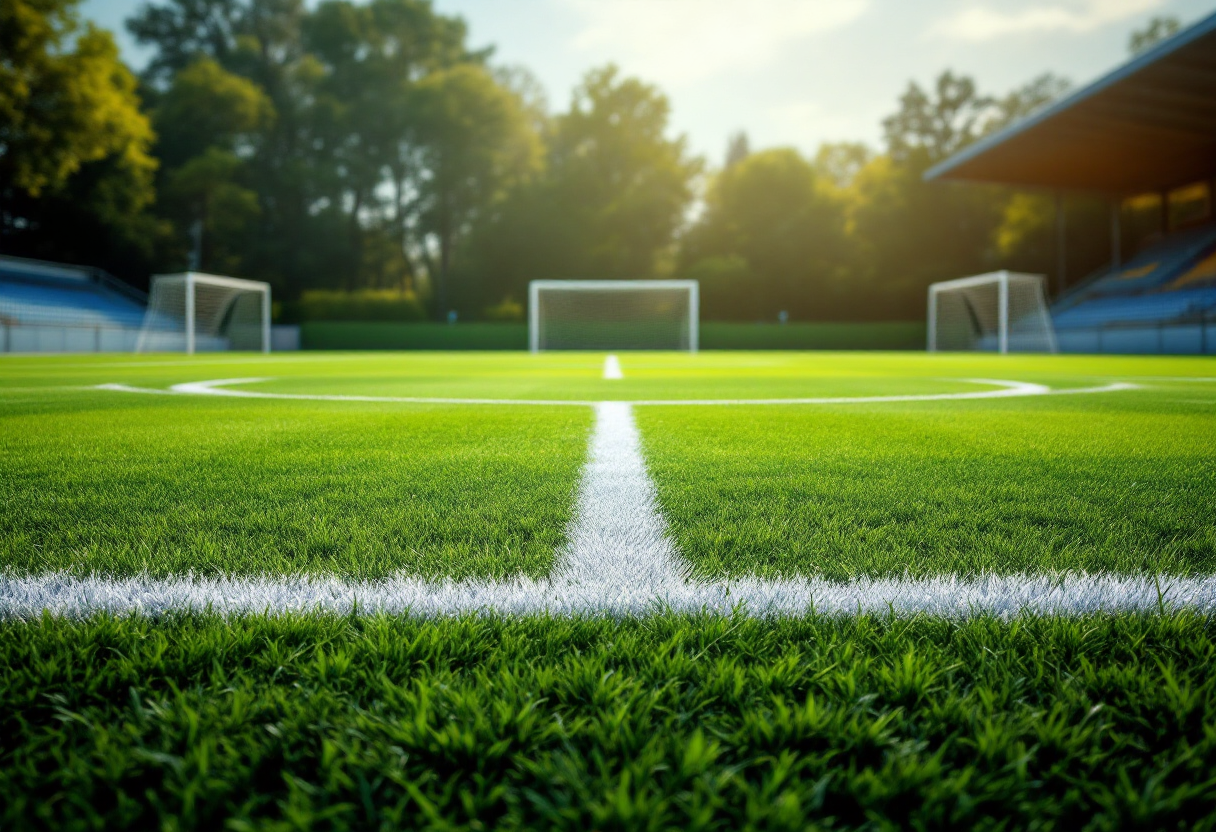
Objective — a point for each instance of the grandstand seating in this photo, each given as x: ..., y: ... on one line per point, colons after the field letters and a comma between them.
x: 49, y: 307
x: 1171, y: 283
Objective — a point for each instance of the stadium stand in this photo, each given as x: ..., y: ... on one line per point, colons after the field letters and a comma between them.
x: 1148, y: 127
x: 1162, y: 300
x: 49, y: 307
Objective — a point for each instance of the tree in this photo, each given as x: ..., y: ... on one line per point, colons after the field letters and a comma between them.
x: 772, y: 223
x: 207, y: 106
x: 334, y: 155
x: 477, y: 142
x: 840, y: 162
x: 73, y: 141
x: 210, y: 122
x: 1026, y: 100
x: 372, y: 59
x: 65, y: 99
x: 185, y: 30
x: 1153, y: 32
x: 737, y: 149
x: 620, y: 180
x: 612, y: 193
x: 929, y: 127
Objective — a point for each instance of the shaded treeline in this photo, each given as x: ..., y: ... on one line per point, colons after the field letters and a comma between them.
x: 369, y: 146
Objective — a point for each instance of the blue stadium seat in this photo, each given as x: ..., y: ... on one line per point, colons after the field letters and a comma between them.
x: 39, y: 294
x: 1173, y: 280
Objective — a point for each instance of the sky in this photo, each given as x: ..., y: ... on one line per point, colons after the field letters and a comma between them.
x: 788, y: 72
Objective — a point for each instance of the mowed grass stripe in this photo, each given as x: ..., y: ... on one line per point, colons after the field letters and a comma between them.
x: 96, y: 483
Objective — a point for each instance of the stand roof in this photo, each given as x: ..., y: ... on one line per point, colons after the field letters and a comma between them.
x: 1149, y: 125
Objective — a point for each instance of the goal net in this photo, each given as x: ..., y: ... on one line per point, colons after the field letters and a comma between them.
x: 613, y: 315
x: 195, y: 312
x: 996, y: 312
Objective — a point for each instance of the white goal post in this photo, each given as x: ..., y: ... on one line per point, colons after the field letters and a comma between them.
x: 613, y: 315
x: 995, y: 312
x: 196, y: 312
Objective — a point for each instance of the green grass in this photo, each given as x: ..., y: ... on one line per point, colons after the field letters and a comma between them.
x: 387, y: 723
x: 384, y: 335
x: 290, y: 721
x: 1122, y: 483
x: 118, y: 483
x: 885, y: 335
x: 99, y: 482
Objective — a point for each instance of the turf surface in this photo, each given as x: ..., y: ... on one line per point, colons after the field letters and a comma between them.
x: 100, y: 482
x: 292, y: 721
x: 390, y: 723
x: 119, y: 483
x: 1119, y: 483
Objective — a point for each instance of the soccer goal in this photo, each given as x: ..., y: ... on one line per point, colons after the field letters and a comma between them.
x: 195, y: 312
x: 613, y: 315
x: 995, y: 312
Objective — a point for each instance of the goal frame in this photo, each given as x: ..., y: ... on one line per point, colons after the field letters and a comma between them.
x: 536, y: 286
x: 192, y: 280
x: 1001, y: 279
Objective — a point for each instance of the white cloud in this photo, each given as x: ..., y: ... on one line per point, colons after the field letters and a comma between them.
x: 983, y: 22
x: 676, y: 42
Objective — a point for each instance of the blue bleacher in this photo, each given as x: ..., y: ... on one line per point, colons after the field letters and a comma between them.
x: 1145, y: 290
x: 1184, y: 304
x: 34, y: 293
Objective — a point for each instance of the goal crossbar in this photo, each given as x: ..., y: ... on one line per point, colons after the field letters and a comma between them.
x: 1030, y: 285
x: 159, y: 318
x: 537, y: 287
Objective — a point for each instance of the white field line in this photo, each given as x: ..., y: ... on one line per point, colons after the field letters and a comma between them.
x: 1006, y: 389
x: 945, y: 596
x: 618, y: 561
x: 612, y: 368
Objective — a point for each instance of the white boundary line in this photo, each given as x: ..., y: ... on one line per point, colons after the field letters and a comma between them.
x: 946, y: 596
x: 619, y: 561
x: 1008, y: 389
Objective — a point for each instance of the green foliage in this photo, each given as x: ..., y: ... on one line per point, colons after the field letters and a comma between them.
x: 76, y: 171
x: 727, y: 284
x: 349, y: 145
x: 928, y: 127
x: 1155, y: 31
x: 205, y: 190
x: 620, y: 176
x: 478, y: 143
x: 65, y: 100
x: 607, y: 204
x: 324, y: 108
x: 769, y: 217
x: 857, y: 235
x: 360, y: 305
x: 207, y: 107
x: 840, y: 162
x: 196, y: 722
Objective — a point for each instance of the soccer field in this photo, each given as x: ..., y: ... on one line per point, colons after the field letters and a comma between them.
x: 378, y: 590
